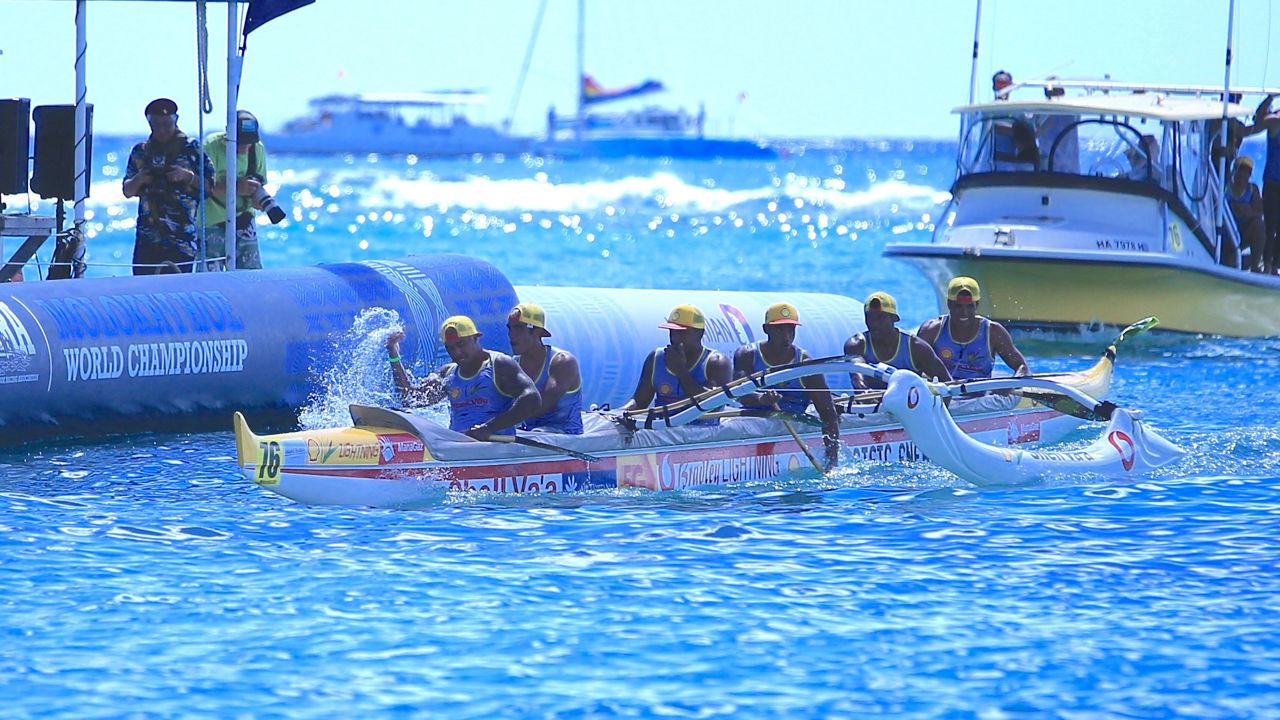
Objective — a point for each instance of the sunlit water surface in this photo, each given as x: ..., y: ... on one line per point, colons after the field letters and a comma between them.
x: 143, y: 576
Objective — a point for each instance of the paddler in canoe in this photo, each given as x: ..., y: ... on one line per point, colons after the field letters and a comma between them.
x: 488, y: 393
x: 792, y: 397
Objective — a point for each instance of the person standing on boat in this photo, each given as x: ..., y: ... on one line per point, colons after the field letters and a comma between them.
x: 793, y: 396
x: 1002, y: 84
x: 966, y: 342
x: 683, y: 368
x: 251, y: 173
x: 487, y: 391
x: 884, y: 343
x: 1264, y: 118
x: 554, y: 372
x: 1246, y: 206
x: 164, y: 173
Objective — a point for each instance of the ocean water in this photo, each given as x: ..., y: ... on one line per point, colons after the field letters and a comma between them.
x: 144, y: 577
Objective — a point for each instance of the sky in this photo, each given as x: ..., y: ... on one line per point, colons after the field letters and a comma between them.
x: 762, y: 68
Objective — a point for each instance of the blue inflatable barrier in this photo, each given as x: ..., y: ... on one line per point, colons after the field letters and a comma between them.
x: 611, y: 331
x: 181, y: 352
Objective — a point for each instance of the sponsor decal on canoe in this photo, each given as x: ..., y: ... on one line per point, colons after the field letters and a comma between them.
x: 522, y: 484
x: 903, y: 451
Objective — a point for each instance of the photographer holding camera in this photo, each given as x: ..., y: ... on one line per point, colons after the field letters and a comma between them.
x: 164, y: 174
x: 251, y: 173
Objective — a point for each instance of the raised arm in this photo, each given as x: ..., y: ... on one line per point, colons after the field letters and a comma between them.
x: 429, y: 392
x: 719, y: 372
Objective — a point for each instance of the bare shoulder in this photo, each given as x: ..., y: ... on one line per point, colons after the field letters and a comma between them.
x: 998, y: 331
x: 564, y: 361
x: 920, y: 344
x: 929, y: 329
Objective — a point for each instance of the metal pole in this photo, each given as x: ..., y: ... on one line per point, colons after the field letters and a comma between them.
x: 81, y: 190
x: 582, y: 70
x: 1226, y: 140
x: 973, y: 85
x: 973, y: 71
x: 233, y: 89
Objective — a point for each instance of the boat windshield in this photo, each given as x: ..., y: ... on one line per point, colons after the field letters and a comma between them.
x: 1112, y: 147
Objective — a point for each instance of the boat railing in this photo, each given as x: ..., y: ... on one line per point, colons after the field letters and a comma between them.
x: 1227, y: 244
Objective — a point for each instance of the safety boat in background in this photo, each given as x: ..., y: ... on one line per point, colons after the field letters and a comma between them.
x: 1095, y: 202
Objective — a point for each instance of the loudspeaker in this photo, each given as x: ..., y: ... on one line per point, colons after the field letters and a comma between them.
x: 15, y: 144
x: 53, y: 174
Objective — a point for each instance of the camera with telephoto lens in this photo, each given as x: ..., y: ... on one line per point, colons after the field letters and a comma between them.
x: 263, y: 201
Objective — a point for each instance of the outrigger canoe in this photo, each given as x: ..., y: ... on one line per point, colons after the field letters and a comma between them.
x: 389, y: 458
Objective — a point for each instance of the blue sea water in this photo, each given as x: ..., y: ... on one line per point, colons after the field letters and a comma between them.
x: 144, y: 577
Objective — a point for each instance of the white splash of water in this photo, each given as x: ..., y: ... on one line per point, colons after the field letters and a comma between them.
x: 356, y: 373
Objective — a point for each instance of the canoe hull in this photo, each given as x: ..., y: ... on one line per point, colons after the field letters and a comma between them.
x: 389, y: 468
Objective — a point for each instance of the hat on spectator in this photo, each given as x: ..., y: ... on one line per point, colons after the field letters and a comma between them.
x: 246, y: 128
x: 161, y: 106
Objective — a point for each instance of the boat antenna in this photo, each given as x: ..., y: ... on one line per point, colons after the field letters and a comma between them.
x: 973, y: 71
x: 524, y: 70
x: 1225, y: 140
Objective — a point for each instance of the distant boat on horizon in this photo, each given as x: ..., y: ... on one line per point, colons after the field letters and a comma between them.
x: 428, y: 124
x: 651, y: 131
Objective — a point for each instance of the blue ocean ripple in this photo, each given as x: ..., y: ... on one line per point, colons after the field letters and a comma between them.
x: 144, y: 576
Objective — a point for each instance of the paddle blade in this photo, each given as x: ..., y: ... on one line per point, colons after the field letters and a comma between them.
x: 1137, y: 328
x: 1070, y: 406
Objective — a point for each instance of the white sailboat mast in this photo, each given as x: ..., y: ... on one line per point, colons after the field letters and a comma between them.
x: 582, y: 71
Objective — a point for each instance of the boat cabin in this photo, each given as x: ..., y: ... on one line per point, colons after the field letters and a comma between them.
x: 443, y: 110
x: 648, y: 122
x: 1112, y: 140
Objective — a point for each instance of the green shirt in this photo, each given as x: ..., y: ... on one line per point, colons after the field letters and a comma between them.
x: 215, y: 147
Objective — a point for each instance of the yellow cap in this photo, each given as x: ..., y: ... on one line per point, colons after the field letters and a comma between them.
x: 1245, y: 161
x: 685, y: 317
x: 782, y: 314
x: 882, y: 301
x: 963, y: 284
x: 530, y: 314
x: 457, y: 327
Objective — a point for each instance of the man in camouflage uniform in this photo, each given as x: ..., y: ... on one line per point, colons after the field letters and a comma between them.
x: 164, y: 173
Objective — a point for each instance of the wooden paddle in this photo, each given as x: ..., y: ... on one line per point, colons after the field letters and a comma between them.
x: 804, y: 448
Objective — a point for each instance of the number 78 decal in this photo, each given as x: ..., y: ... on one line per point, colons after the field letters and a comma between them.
x: 268, y: 462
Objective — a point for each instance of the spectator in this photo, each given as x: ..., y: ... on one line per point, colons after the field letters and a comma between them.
x: 1246, y: 206
x: 251, y: 173
x: 1002, y: 84
x: 165, y: 174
